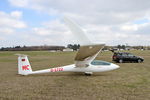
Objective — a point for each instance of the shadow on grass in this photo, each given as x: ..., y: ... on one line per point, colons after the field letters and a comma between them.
x: 65, y: 74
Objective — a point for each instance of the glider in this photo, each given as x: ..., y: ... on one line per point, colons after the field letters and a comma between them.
x: 83, y: 62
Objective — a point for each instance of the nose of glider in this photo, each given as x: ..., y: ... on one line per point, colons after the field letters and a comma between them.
x: 115, y: 66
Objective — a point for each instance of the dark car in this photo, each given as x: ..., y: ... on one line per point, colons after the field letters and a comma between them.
x: 126, y: 57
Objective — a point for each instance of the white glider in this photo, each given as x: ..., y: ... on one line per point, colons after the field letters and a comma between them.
x: 84, y: 60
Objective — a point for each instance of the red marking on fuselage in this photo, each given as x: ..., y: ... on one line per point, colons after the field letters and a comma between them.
x: 25, y: 67
x: 23, y: 60
x: 56, y: 69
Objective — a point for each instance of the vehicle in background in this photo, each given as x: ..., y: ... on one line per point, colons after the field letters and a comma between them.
x: 126, y: 57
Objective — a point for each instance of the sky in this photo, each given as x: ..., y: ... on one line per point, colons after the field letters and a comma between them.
x: 40, y: 22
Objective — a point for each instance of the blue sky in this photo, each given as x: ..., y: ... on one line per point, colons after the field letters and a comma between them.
x: 31, y: 17
x: 39, y: 22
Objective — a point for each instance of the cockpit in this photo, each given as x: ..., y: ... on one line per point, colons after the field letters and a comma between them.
x: 100, y: 62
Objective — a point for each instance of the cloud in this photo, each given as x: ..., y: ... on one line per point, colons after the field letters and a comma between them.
x: 129, y: 27
x: 53, y: 32
x: 144, y: 29
x: 96, y: 11
x: 11, y: 21
x: 109, y: 21
x: 19, y: 3
x: 50, y: 27
x: 16, y: 14
x: 6, y: 30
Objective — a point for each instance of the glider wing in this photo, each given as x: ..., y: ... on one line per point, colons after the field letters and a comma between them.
x: 87, y: 54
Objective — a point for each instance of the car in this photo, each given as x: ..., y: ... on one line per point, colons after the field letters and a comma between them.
x: 126, y: 57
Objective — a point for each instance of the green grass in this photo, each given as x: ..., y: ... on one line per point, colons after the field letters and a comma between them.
x: 130, y: 82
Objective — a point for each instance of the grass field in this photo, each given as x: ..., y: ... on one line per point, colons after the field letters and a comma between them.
x: 130, y: 82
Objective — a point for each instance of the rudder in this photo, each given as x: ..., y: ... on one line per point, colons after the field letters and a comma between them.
x: 24, y: 67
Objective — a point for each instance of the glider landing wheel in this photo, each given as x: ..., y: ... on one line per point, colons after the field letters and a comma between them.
x: 88, y: 73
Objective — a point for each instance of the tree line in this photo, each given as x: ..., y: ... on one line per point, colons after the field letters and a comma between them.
x: 74, y: 47
x: 32, y: 48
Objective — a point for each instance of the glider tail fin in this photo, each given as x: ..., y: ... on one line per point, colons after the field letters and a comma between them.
x: 24, y: 67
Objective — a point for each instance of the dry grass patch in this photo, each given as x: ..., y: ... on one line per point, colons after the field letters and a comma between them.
x: 130, y: 82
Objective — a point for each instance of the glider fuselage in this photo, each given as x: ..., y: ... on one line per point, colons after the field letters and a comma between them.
x: 72, y: 68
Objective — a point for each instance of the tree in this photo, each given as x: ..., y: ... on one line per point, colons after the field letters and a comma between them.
x: 75, y: 47
x: 2, y: 49
x: 119, y: 47
x: 17, y: 46
x: 123, y: 47
x: 69, y: 46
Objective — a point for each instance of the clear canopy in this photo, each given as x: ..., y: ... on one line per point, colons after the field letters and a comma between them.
x: 99, y: 62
